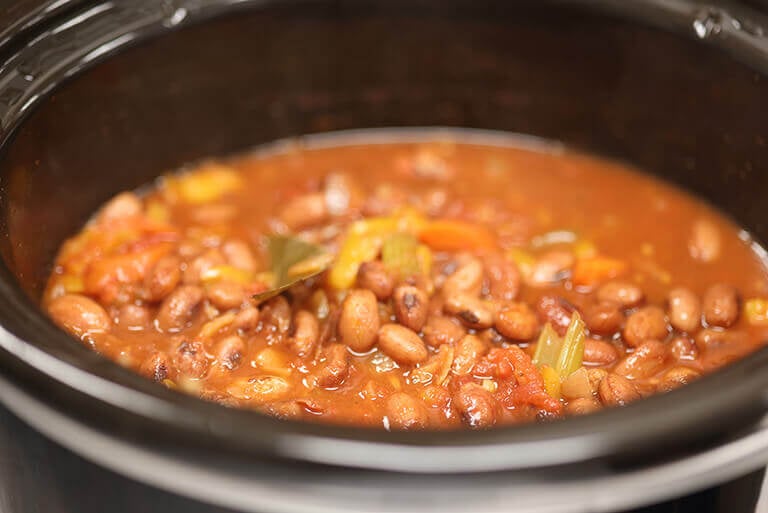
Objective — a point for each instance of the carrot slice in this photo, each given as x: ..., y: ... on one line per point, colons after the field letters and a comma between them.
x: 589, y: 272
x: 450, y: 235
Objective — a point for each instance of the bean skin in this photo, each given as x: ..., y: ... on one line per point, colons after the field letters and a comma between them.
x: 229, y: 352
x: 304, y: 211
x: 194, y: 271
x: 336, y: 367
x: 247, y: 318
x: 441, y: 330
x: 599, y: 352
x: 79, y: 315
x: 157, y: 367
x: 405, y: 412
x: 677, y: 377
x: 163, y: 278
x: 133, y: 317
x: 374, y: 277
x: 239, y: 255
x: 684, y: 310
x: 402, y: 345
x: 225, y: 295
x: 177, y: 309
x: 517, y: 321
x: 615, y: 390
x: 359, y: 320
x: 306, y: 333
x: 466, y: 280
x: 620, y: 292
x: 556, y: 311
x: 476, y: 405
x: 470, y: 310
x: 190, y: 359
x: 410, y: 305
x: 582, y: 406
x: 503, y: 278
x: 604, y: 318
x: 647, y: 360
x: 646, y: 323
x: 468, y: 352
x: 721, y: 305
x: 683, y: 349
x: 551, y: 267
x: 596, y: 376
x: 277, y: 312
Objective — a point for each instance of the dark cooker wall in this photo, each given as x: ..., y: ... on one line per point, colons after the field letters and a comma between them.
x: 665, y: 103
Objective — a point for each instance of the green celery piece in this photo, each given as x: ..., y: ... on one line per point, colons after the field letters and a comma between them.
x: 572, y: 352
x: 398, y: 254
x: 548, y: 347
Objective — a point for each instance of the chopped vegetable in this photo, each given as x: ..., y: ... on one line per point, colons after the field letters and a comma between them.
x: 572, y: 352
x: 225, y: 272
x: 548, y: 347
x: 206, y: 184
x: 358, y: 247
x: 399, y: 254
x: 450, y: 235
x: 756, y: 311
x: 424, y: 259
x: 589, y: 272
x: 576, y: 385
x: 551, y: 381
x: 292, y: 261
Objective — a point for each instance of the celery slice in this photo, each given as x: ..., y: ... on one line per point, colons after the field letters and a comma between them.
x: 572, y: 351
x: 548, y: 347
x: 399, y: 254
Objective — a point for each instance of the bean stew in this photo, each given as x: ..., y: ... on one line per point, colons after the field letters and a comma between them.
x: 409, y: 285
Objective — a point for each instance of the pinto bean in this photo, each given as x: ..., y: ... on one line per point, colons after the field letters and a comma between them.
x: 178, y: 308
x: 705, y: 243
x: 225, y: 295
x: 471, y: 311
x: 596, y: 376
x: 336, y: 367
x: 410, y: 305
x: 477, y: 406
x: 517, y: 321
x: 622, y: 293
x: 647, y: 360
x: 162, y: 279
x: 229, y: 352
x: 133, y: 317
x: 466, y: 280
x: 503, y: 278
x: 304, y: 211
x: 277, y: 312
x: 582, y: 406
x: 246, y: 319
x: 239, y: 255
x: 79, y: 315
x: 676, y: 377
x: 402, y: 345
x: 556, y: 311
x: 190, y: 359
x: 646, y: 323
x: 199, y: 265
x: 683, y: 348
x: 441, y: 330
x: 468, y: 352
x: 616, y: 390
x: 157, y: 367
x: 551, y: 267
x: 406, y: 412
x: 359, y: 320
x: 604, y: 318
x: 306, y: 333
x: 709, y: 338
x: 721, y: 305
x: 599, y: 352
x: 374, y: 277
x: 684, y: 310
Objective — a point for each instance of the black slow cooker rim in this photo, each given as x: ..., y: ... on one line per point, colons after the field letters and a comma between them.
x: 43, y: 360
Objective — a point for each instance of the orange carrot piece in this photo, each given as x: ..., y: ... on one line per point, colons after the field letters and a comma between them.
x: 589, y: 272
x: 450, y: 235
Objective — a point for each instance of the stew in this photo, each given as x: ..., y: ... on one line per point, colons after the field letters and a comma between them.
x: 426, y: 284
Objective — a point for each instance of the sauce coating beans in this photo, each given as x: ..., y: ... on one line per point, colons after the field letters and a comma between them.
x: 449, y: 285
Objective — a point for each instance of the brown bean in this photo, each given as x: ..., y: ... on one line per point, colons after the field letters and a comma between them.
x: 551, y: 267
x: 556, y: 311
x: 647, y: 360
x: 162, y: 279
x: 582, y: 406
x: 468, y: 352
x: 503, y: 278
x: 190, y: 359
x: 239, y: 255
x: 441, y: 330
x: 410, y: 305
x: 246, y: 319
x: 304, y: 211
x: 157, y: 367
x: 615, y: 390
x: 646, y: 323
x: 684, y: 310
x: 709, y: 338
x: 277, y: 312
x: 476, y: 405
x: 306, y: 333
x: 622, y: 293
x: 471, y: 311
x: 596, y: 376
x: 359, y: 320
x: 599, y: 352
x: 683, y: 349
x: 705, y: 243
x: 336, y: 366
x: 604, y: 318
x: 374, y: 277
x: 229, y: 352
x: 405, y: 412
x: 677, y: 377
x: 178, y: 308
x: 466, y: 280
x: 225, y: 295
x: 517, y: 321
x: 721, y: 305
x: 133, y: 317
x: 402, y: 345
x: 195, y: 269
x: 79, y: 315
